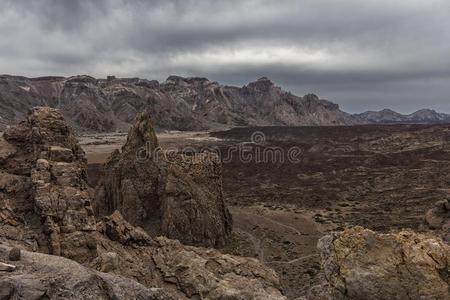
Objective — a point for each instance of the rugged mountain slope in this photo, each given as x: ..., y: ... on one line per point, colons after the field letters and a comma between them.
x: 390, y: 116
x: 177, y: 103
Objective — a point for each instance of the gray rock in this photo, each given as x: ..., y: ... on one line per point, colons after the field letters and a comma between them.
x: 51, y: 277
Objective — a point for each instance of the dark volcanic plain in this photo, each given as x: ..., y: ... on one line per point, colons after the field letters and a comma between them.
x: 383, y: 177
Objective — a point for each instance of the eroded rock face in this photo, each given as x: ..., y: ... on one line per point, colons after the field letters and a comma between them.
x: 46, y: 201
x: 45, y: 206
x: 180, y: 197
x: 33, y: 138
x: 361, y: 264
x: 214, y: 275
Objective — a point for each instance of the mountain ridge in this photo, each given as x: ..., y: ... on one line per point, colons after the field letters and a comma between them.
x: 179, y: 103
x: 389, y: 116
x: 191, y: 103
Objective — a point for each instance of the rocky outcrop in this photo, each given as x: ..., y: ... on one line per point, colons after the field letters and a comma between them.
x: 178, y: 103
x: 361, y: 264
x: 41, y: 276
x: 214, y: 275
x: 45, y: 207
x: 179, y: 196
x: 42, y: 128
x: 185, y: 272
x: 438, y: 219
x: 116, y: 228
x: 45, y: 195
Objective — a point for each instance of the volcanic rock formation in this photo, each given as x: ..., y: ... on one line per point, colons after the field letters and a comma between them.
x: 361, y: 264
x: 45, y: 206
x: 178, y: 196
x: 44, y: 192
x: 178, y: 103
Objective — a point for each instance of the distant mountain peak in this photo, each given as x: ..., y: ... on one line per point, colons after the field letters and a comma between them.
x: 388, y: 111
x: 311, y: 97
x: 426, y: 110
x: 389, y: 116
x: 262, y: 84
x: 264, y: 78
x: 177, y: 79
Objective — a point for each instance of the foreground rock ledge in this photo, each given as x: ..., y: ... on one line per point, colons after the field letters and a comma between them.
x: 362, y: 264
x: 41, y: 276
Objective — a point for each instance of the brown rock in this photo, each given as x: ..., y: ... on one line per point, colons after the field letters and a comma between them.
x: 45, y: 182
x: 212, y: 275
x: 180, y: 198
x: 43, y: 128
x: 118, y: 229
x: 438, y: 219
x: 57, y: 153
x: 107, y: 262
x: 361, y: 264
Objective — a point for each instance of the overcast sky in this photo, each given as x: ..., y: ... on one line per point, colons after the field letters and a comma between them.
x: 361, y: 54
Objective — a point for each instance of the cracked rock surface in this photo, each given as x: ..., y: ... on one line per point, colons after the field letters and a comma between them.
x: 361, y: 264
x: 41, y: 276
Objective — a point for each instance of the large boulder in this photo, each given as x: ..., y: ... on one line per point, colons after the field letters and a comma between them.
x: 361, y: 264
x: 177, y: 196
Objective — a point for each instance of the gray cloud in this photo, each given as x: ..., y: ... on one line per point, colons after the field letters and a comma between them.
x: 361, y: 54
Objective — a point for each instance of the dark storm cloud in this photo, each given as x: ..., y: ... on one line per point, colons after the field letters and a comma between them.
x: 360, y: 54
